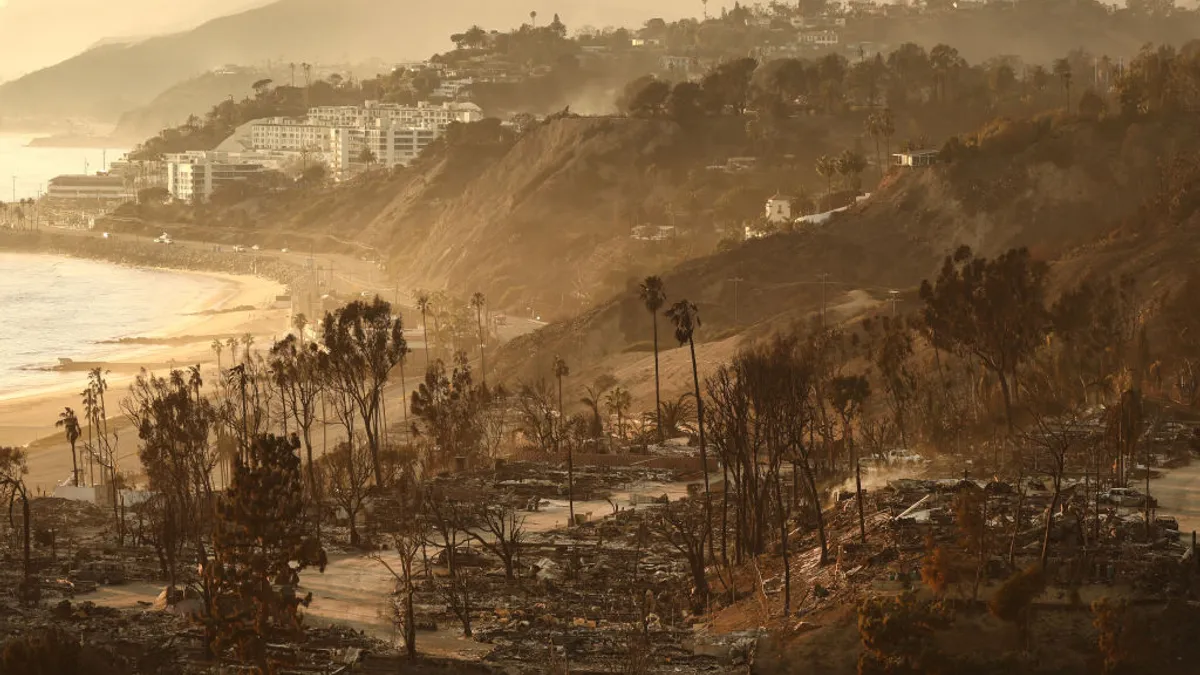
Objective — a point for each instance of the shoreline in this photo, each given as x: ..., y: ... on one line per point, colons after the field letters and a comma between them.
x: 184, y: 338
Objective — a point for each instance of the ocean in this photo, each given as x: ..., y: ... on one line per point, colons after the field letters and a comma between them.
x: 32, y: 168
x: 53, y: 307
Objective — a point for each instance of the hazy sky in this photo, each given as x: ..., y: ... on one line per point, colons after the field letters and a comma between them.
x: 38, y: 33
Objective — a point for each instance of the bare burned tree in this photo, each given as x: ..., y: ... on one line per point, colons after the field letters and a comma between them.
x: 682, y: 527
x: 535, y: 411
x: 297, y: 370
x: 12, y: 482
x: 495, y: 524
x: 1059, y: 431
x: 346, y: 473
x: 407, y: 541
x: 446, y: 519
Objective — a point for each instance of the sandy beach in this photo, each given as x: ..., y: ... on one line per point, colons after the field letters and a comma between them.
x: 238, y: 305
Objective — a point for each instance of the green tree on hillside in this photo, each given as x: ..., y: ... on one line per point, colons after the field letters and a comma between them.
x: 826, y: 168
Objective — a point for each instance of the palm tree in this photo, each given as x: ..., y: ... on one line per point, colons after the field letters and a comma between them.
x: 70, y: 426
x: 300, y: 322
x: 595, y: 399
x: 887, y: 128
x: 561, y: 370
x: 248, y: 341
x: 618, y: 402
x: 654, y: 296
x: 826, y: 167
x: 478, y: 301
x: 232, y: 343
x: 1062, y: 69
x: 686, y: 318
x: 218, y: 347
x: 850, y: 164
x: 873, y: 127
x: 424, y: 305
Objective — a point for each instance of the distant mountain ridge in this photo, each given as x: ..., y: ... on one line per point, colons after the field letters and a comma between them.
x: 110, y: 79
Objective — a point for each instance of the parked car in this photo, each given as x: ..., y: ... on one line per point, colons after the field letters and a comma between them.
x: 163, y: 238
x: 99, y: 571
x: 1125, y: 497
x: 254, y: 247
x: 238, y: 248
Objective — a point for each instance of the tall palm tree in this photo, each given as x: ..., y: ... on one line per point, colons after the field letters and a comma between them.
x: 654, y: 296
x: 826, y: 168
x: 478, y: 301
x: 69, y: 423
x: 887, y: 128
x: 248, y: 341
x: 1062, y: 69
x: 686, y: 318
x: 561, y: 370
x: 232, y: 343
x: 424, y: 305
x: 300, y: 322
x: 873, y: 127
x: 218, y: 347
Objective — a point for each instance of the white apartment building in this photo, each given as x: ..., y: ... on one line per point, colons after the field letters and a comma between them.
x: 289, y: 135
x: 390, y: 144
x: 394, y: 134
x: 422, y: 114
x: 194, y: 176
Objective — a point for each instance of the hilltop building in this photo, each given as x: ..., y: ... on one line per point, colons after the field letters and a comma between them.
x: 779, y: 209
x: 394, y: 134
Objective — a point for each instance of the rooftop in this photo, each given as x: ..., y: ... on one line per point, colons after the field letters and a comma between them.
x: 87, y: 181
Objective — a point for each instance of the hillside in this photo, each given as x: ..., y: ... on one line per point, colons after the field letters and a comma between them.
x: 1068, y: 189
x: 191, y: 97
x: 97, y: 83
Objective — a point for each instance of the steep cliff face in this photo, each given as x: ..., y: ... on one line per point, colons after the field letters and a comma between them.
x: 545, y: 219
x: 1068, y: 190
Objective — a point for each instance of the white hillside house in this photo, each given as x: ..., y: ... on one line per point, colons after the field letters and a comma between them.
x: 779, y: 209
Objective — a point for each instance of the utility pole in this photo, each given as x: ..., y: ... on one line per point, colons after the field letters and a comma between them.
x: 736, y: 284
x: 893, y: 298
